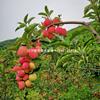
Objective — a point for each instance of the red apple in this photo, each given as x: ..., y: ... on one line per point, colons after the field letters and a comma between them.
x: 24, y: 59
x: 33, y: 53
x: 51, y: 29
x: 39, y: 49
x: 25, y: 65
x: 51, y: 36
x: 18, y: 78
x: 45, y: 33
x: 16, y: 68
x: 56, y: 20
x: 27, y: 70
x: 26, y: 76
x: 47, y: 22
x: 61, y: 31
x: 21, y: 85
x: 21, y: 73
x: 22, y: 51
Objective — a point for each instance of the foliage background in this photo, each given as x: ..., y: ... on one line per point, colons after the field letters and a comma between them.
x: 70, y: 75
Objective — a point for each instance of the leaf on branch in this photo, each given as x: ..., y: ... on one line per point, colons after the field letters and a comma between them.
x: 90, y: 15
x: 46, y: 10
x: 35, y: 25
x: 61, y: 60
x: 87, y: 9
x: 25, y: 18
x: 30, y: 19
x: 20, y: 23
x: 51, y: 11
x: 20, y: 26
x: 42, y: 13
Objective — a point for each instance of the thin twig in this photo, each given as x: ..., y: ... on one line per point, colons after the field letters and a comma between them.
x: 71, y: 22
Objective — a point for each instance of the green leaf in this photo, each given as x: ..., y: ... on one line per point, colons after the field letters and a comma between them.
x: 42, y: 13
x: 90, y: 15
x: 20, y: 26
x: 87, y: 9
x: 20, y: 23
x: 61, y: 60
x: 46, y: 10
x: 57, y: 44
x: 30, y: 20
x: 17, y: 28
x: 92, y: 11
x: 35, y: 25
x: 87, y: 43
x: 25, y: 18
x: 51, y: 11
x: 30, y: 27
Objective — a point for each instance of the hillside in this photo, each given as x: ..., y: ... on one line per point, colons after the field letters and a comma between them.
x: 6, y: 43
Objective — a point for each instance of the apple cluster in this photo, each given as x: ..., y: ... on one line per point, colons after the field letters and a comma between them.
x: 52, y: 31
x: 25, y: 68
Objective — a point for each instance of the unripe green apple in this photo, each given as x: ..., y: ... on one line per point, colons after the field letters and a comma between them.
x: 32, y: 77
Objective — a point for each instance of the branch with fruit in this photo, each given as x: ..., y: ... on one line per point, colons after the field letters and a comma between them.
x: 50, y: 29
x: 87, y: 24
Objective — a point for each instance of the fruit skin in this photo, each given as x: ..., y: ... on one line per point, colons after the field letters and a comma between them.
x: 56, y: 20
x: 21, y: 73
x: 47, y: 22
x: 61, y: 31
x: 26, y: 76
x: 27, y: 70
x: 21, y: 85
x: 28, y: 83
x: 38, y: 46
x: 51, y: 36
x: 16, y: 68
x: 25, y: 65
x: 24, y: 59
x: 32, y: 77
x: 51, y: 29
x: 18, y: 78
x: 22, y: 51
x: 32, y: 65
x: 64, y: 32
x: 33, y: 53
x: 39, y: 49
x: 45, y: 33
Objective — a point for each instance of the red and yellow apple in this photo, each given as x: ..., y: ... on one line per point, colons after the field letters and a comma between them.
x: 28, y: 83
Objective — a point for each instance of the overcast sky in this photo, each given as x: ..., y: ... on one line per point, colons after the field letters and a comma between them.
x: 12, y: 11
